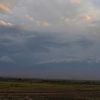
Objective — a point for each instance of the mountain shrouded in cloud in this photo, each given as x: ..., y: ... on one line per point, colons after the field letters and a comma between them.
x: 46, y: 38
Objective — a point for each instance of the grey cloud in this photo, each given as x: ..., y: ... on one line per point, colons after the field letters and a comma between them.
x: 85, y: 43
x: 6, y: 59
x: 72, y: 36
x: 43, y: 46
x: 43, y: 51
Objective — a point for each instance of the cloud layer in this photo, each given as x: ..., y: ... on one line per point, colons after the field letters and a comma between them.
x: 48, y: 33
x: 5, y: 6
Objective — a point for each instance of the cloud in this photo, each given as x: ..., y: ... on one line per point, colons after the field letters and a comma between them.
x: 87, y: 18
x: 85, y: 43
x: 42, y: 32
x: 5, y: 23
x: 6, y: 6
x: 6, y: 59
x: 5, y: 9
x: 39, y: 15
x: 21, y: 42
x: 42, y: 23
x: 90, y: 16
x: 75, y: 1
x: 29, y: 17
x: 44, y: 49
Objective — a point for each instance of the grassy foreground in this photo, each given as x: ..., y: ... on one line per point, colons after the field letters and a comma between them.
x: 49, y: 90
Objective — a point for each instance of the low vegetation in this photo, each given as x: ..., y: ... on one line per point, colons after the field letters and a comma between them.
x: 33, y: 89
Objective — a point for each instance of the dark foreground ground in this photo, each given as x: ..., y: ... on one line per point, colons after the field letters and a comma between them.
x: 49, y: 90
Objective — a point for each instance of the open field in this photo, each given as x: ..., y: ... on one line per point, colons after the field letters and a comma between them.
x: 49, y: 90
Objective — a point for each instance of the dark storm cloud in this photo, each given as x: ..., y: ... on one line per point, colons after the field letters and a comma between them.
x: 85, y: 43
x: 14, y: 40
x: 41, y: 46
x: 49, y: 33
x: 41, y: 53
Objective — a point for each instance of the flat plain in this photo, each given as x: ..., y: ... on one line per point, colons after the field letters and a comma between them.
x: 49, y: 90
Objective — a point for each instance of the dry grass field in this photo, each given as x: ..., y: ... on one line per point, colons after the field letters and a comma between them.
x: 47, y: 90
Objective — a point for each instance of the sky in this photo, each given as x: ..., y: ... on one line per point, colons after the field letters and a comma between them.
x: 57, y: 39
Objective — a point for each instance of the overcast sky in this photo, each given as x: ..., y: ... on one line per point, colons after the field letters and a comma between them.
x: 50, y: 38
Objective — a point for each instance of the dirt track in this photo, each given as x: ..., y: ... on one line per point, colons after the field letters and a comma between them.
x: 49, y: 95
x: 30, y: 92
